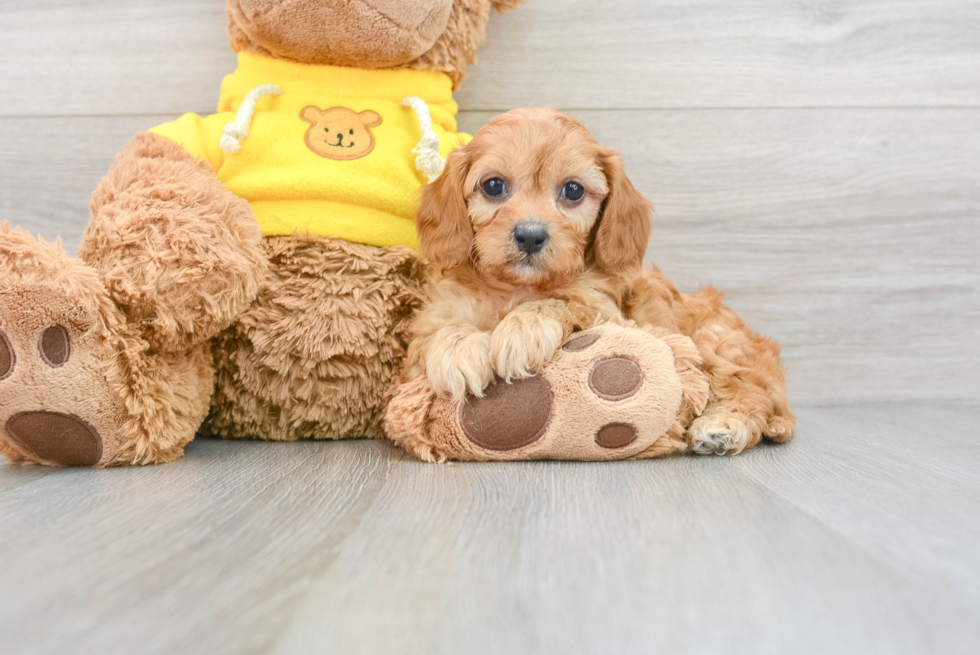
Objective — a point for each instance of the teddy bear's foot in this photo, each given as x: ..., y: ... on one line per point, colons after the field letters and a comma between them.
x: 76, y: 386
x: 611, y: 392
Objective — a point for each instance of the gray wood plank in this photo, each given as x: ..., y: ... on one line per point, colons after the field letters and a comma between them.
x: 848, y: 235
x: 759, y: 53
x: 108, y: 554
x: 874, y: 476
x: 59, y: 57
x: 682, y: 556
x: 854, y: 538
x: 46, y: 180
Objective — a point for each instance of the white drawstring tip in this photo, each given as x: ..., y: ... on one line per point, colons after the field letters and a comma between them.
x: 235, y: 131
x: 229, y: 143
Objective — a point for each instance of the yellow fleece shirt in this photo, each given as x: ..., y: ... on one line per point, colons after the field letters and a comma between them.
x: 332, y: 153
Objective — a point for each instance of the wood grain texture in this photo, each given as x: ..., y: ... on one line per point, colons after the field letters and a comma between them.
x: 850, y: 236
x: 755, y: 53
x: 64, y: 58
x: 47, y: 180
x: 59, y: 57
x: 857, y: 537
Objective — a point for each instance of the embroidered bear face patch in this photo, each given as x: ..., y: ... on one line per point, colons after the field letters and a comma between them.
x: 339, y: 132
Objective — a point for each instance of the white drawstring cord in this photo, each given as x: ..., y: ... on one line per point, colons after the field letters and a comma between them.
x: 231, y: 140
x: 427, y: 158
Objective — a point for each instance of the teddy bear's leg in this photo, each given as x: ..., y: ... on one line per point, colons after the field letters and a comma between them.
x: 610, y: 392
x: 108, y: 359
x: 317, y: 352
x: 78, y: 386
x: 178, y: 252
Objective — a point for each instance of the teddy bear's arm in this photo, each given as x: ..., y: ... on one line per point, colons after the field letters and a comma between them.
x: 178, y: 251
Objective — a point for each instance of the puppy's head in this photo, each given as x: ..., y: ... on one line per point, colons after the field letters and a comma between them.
x: 532, y: 201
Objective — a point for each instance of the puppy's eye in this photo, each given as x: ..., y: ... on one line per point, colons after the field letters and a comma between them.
x: 572, y: 191
x: 494, y: 187
x: 352, y: 131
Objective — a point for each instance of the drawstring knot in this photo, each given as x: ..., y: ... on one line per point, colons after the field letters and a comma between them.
x: 427, y: 158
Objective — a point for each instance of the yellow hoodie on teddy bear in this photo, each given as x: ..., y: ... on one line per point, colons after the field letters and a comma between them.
x: 333, y: 151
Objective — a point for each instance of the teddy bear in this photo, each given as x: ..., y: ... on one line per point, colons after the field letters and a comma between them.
x: 247, y: 274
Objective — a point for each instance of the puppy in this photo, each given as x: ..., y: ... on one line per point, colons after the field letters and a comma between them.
x: 536, y: 232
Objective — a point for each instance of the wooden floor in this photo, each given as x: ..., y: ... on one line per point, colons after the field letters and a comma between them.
x: 818, y: 161
x: 860, y: 536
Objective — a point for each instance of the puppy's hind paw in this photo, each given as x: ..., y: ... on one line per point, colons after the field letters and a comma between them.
x: 780, y: 428
x: 718, y: 435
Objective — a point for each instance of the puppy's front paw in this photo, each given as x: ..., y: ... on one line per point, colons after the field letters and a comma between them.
x: 462, y: 366
x: 522, y: 344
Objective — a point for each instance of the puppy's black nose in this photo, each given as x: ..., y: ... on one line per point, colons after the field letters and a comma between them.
x: 530, y: 237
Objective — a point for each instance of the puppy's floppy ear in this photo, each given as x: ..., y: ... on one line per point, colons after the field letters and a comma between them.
x: 624, y: 226
x: 442, y: 220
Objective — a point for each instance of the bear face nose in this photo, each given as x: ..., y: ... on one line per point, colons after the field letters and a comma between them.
x: 340, y: 137
x: 530, y: 237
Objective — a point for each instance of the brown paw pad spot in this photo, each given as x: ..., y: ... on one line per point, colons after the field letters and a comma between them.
x: 55, y: 346
x: 508, y: 416
x: 615, y: 378
x: 7, y: 357
x: 615, y: 435
x: 580, y: 343
x: 61, y: 438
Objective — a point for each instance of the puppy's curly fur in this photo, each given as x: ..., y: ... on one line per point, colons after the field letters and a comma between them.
x: 498, y: 306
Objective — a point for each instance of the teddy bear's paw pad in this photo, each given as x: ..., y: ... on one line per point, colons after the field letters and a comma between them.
x: 54, y: 346
x: 7, y: 357
x: 616, y: 435
x: 615, y: 378
x: 63, y: 439
x: 508, y: 416
x: 718, y: 435
x: 579, y: 343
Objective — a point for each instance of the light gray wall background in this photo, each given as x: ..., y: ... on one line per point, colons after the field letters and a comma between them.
x: 819, y: 161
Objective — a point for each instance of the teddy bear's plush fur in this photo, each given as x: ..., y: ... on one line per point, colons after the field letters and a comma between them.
x: 177, y: 293
x: 440, y: 35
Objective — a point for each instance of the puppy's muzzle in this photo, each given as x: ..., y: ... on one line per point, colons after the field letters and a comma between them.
x: 530, y: 237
